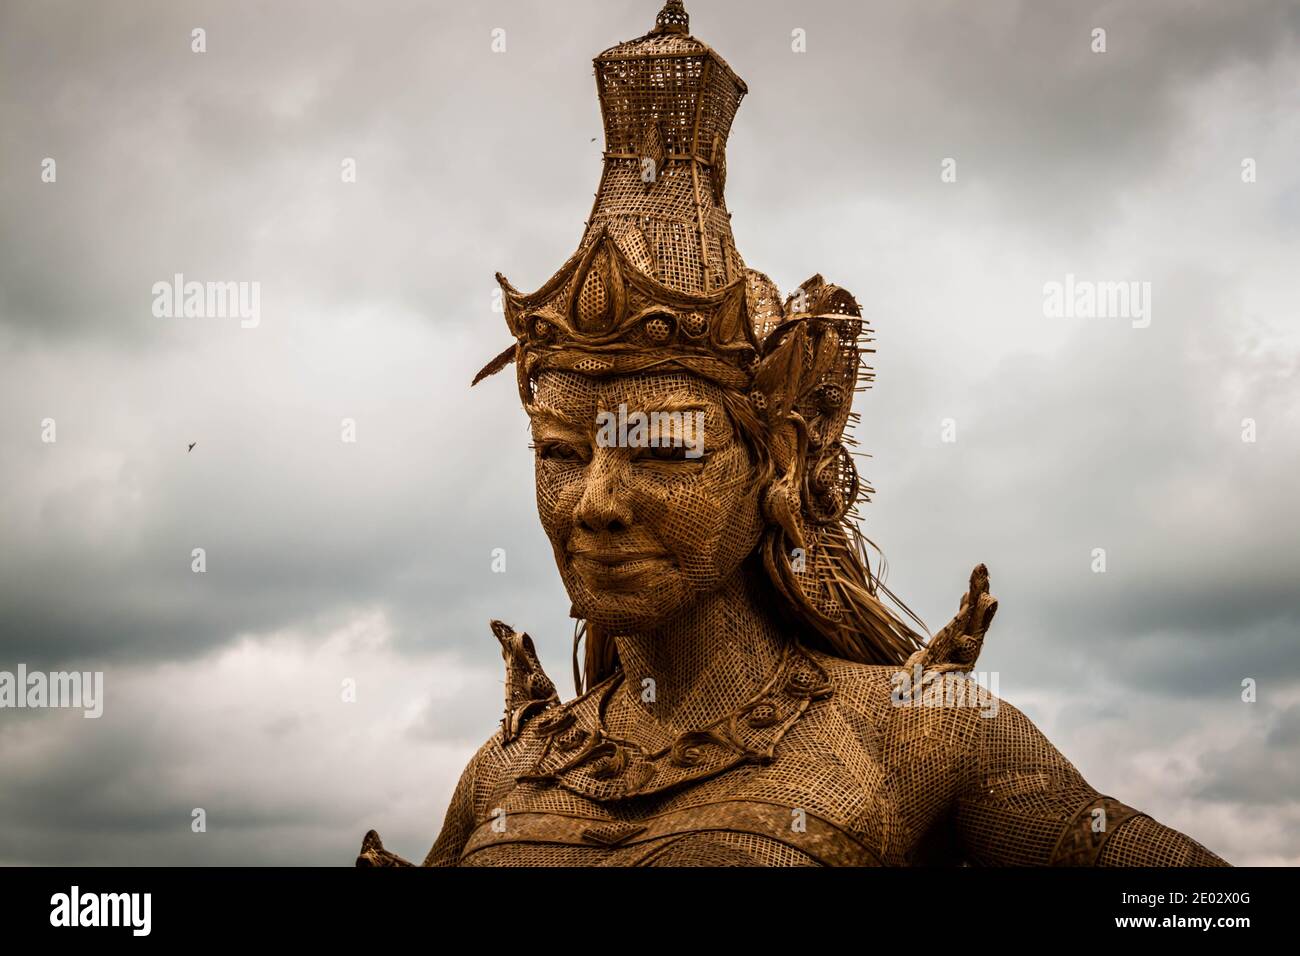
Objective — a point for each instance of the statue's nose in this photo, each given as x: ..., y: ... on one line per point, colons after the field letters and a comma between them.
x: 604, y: 506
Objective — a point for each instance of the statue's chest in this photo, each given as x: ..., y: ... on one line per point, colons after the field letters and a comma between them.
x: 748, y: 816
x: 731, y: 833
x: 782, y: 781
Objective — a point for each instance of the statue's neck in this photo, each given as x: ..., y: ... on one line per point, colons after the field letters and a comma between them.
x: 713, y: 657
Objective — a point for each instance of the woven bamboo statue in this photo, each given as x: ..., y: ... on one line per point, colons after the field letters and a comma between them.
x: 746, y: 693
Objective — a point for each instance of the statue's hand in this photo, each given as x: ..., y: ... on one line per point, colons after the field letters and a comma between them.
x: 956, y: 647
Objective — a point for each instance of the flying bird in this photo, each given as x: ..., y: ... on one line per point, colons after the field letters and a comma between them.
x: 191, y: 448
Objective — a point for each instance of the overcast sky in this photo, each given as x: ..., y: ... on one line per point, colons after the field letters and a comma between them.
x: 371, y: 560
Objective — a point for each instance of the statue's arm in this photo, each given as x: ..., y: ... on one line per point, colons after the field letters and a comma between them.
x: 462, y: 815
x: 1021, y: 803
x: 458, y: 824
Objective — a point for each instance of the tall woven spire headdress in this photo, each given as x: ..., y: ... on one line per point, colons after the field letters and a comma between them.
x: 657, y: 284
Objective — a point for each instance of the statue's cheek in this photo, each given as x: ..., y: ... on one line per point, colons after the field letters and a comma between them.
x: 558, y: 492
x: 688, y: 522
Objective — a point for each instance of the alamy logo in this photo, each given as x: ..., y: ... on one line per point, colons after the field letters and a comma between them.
x: 103, y: 909
x: 922, y: 688
x: 208, y: 300
x: 662, y: 429
x: 1084, y: 299
x: 56, y: 689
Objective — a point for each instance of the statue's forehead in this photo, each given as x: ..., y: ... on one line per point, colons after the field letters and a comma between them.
x: 572, y: 399
x: 573, y: 390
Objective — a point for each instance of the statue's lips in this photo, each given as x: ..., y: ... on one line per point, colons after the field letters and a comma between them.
x: 605, y: 565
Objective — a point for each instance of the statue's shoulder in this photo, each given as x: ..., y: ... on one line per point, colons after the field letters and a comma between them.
x: 491, y: 771
x: 862, y: 687
x: 933, y: 690
x: 908, y: 700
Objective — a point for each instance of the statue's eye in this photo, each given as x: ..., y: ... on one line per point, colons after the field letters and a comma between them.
x: 673, y: 453
x: 553, y: 450
x: 668, y: 452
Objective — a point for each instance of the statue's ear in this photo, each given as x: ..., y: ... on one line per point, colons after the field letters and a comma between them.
x: 787, y: 442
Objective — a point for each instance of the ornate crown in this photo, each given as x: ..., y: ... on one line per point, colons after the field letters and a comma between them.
x: 601, y: 314
x: 657, y: 270
x: 657, y: 273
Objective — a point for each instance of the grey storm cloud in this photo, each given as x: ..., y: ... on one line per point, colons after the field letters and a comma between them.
x: 329, y: 561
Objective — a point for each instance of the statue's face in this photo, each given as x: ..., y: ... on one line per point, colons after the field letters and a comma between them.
x: 640, y: 532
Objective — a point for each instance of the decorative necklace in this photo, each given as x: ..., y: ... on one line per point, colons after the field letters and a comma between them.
x: 592, y: 761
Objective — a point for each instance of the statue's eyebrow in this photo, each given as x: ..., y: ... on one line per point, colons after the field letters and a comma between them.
x: 672, y: 408
x: 677, y: 402
x: 670, y: 403
x: 537, y: 411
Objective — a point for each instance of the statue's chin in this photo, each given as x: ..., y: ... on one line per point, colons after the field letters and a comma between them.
x: 629, y: 601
